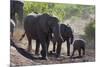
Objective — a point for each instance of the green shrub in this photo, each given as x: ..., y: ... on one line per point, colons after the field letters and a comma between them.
x: 90, y: 30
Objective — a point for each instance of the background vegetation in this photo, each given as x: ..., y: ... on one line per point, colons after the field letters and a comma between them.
x: 62, y: 11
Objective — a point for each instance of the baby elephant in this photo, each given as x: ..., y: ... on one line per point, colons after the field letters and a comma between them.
x: 78, y: 45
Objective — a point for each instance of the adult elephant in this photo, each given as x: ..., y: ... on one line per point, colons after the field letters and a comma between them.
x: 66, y: 35
x: 16, y: 6
x: 39, y: 28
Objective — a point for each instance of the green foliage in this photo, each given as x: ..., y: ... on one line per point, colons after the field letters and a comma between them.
x: 35, y: 7
x: 90, y: 30
x: 62, y: 11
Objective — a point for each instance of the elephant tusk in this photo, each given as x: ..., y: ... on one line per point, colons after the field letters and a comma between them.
x: 12, y: 21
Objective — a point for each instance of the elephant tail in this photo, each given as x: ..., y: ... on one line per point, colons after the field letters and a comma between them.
x: 22, y: 37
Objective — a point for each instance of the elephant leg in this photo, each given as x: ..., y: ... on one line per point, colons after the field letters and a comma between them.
x: 79, y: 51
x: 37, y: 47
x: 29, y: 42
x: 73, y: 52
x: 48, y: 45
x: 58, y: 49
x: 12, y: 15
x: 44, y: 49
x: 20, y: 14
x: 54, y: 45
x: 12, y: 34
x: 19, y: 11
x: 68, y: 48
x: 29, y: 45
x: 83, y: 51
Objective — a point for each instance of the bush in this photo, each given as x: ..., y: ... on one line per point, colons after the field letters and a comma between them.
x: 90, y: 35
x: 90, y: 30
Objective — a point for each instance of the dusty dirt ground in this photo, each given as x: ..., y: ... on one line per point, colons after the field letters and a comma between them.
x: 18, y: 59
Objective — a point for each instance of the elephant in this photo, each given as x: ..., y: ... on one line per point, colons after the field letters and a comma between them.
x: 66, y: 35
x: 39, y: 27
x: 79, y: 45
x: 16, y: 6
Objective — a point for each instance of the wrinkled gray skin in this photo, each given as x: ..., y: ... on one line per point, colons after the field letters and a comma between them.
x: 16, y: 7
x: 79, y: 45
x: 39, y: 28
x: 66, y: 34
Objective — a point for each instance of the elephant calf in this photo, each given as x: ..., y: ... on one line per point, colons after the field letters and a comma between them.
x: 79, y: 45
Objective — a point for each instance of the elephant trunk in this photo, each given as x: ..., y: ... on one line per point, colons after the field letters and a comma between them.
x: 21, y: 14
x: 72, y: 39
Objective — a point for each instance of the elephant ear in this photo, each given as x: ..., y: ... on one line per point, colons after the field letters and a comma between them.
x: 52, y: 22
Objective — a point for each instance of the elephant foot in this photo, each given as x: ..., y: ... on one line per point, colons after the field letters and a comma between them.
x: 29, y: 51
x: 71, y: 57
x: 51, y: 52
x: 37, y: 54
x: 75, y: 57
x: 68, y: 54
x: 80, y: 56
x: 43, y: 58
x: 57, y: 55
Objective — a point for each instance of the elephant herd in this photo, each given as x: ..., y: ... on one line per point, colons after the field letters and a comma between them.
x: 45, y: 28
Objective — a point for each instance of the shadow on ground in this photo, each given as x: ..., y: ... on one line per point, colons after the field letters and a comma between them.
x: 24, y: 52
